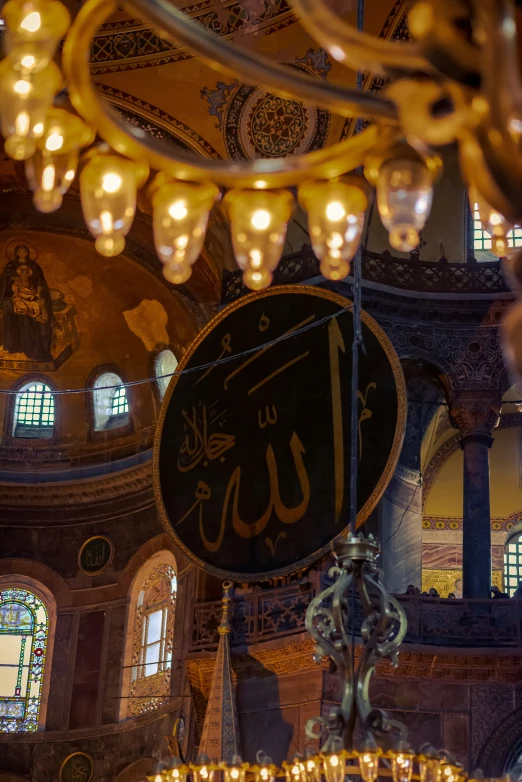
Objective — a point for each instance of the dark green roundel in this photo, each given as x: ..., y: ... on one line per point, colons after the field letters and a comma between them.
x: 95, y: 555
x: 78, y: 767
x: 251, y: 460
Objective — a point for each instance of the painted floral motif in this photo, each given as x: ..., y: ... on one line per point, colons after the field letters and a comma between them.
x: 276, y: 126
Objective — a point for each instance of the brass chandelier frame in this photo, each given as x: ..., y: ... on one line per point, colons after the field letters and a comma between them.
x: 458, y: 83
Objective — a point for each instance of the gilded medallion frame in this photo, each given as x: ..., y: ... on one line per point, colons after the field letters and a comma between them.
x: 85, y: 755
x: 384, y: 479
x: 107, y: 564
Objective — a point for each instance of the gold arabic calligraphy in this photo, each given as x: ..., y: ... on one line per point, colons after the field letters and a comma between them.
x: 198, y: 445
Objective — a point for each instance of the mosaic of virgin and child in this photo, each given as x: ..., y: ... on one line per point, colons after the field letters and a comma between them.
x: 26, y: 305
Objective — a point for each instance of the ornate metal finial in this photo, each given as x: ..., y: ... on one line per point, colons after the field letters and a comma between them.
x: 226, y: 625
x: 330, y: 621
x: 220, y: 736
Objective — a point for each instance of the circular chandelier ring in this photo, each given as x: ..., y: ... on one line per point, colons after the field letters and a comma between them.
x: 135, y: 144
x: 356, y: 50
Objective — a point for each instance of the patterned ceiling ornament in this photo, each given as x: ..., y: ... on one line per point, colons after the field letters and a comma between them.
x: 258, y: 124
x: 125, y: 47
x: 217, y: 99
x: 395, y: 29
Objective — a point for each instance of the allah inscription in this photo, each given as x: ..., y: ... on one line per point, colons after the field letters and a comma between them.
x: 95, y: 555
x: 252, y: 454
x: 78, y: 767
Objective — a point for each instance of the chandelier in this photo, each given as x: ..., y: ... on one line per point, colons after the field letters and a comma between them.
x: 330, y: 621
x: 459, y: 82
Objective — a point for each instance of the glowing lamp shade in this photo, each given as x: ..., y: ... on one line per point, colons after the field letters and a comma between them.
x: 203, y: 770
x: 402, y: 766
x: 430, y: 769
x: 295, y: 771
x: 369, y: 765
x: 33, y: 29
x: 180, y: 218
x: 24, y: 103
x: 108, y: 189
x: 258, y: 222
x: 404, y: 196
x: 336, y: 220
x: 334, y: 766
x: 235, y: 771
x: 51, y: 170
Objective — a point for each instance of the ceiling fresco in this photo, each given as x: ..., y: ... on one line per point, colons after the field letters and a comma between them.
x: 216, y: 115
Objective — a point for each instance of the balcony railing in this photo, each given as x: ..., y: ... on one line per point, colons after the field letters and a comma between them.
x: 463, y: 278
x: 274, y: 613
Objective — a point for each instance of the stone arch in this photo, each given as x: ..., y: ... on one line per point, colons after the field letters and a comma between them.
x: 497, y: 750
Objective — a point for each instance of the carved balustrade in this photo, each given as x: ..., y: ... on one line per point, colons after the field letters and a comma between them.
x: 265, y: 615
x: 405, y: 274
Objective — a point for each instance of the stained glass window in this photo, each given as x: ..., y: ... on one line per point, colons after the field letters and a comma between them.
x: 482, y: 240
x: 24, y: 626
x: 153, y: 637
x: 34, y: 412
x: 512, y: 564
x: 166, y: 364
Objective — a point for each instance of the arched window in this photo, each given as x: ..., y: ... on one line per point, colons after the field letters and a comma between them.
x: 513, y: 561
x: 165, y: 364
x: 24, y: 629
x: 481, y: 238
x: 34, y: 412
x: 150, y: 634
x: 111, y: 406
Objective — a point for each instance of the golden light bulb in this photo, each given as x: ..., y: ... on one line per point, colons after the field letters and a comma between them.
x: 22, y: 87
x: 335, y: 211
x: 22, y: 123
x: 178, y: 210
x: 54, y: 142
x: 261, y: 219
x: 32, y: 22
x: 111, y: 182
x: 28, y: 61
x: 234, y: 773
x: 69, y: 175
x: 38, y: 129
x: 48, y: 177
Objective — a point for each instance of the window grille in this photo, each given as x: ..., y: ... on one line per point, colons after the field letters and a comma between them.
x: 482, y: 240
x: 512, y: 564
x: 34, y: 412
x: 120, y: 404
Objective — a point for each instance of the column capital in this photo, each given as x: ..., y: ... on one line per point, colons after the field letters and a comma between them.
x: 475, y: 414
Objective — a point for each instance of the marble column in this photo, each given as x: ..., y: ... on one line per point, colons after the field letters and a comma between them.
x: 400, y: 530
x: 476, y: 414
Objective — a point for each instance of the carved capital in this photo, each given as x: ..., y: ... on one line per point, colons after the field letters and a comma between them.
x: 475, y: 413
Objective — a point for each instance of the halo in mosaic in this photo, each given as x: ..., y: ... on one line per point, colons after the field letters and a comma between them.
x: 24, y: 629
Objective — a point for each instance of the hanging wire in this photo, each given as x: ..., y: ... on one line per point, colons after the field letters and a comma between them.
x: 200, y: 367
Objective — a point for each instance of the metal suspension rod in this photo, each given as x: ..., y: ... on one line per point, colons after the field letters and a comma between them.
x: 357, y: 339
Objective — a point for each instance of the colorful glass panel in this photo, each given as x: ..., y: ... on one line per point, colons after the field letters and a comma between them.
x: 24, y: 628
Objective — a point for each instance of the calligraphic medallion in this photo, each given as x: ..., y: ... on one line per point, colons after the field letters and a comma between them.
x: 252, y: 452
x: 78, y: 767
x: 95, y: 555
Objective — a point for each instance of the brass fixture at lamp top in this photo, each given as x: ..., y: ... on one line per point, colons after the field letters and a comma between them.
x: 386, y: 752
x: 449, y: 87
